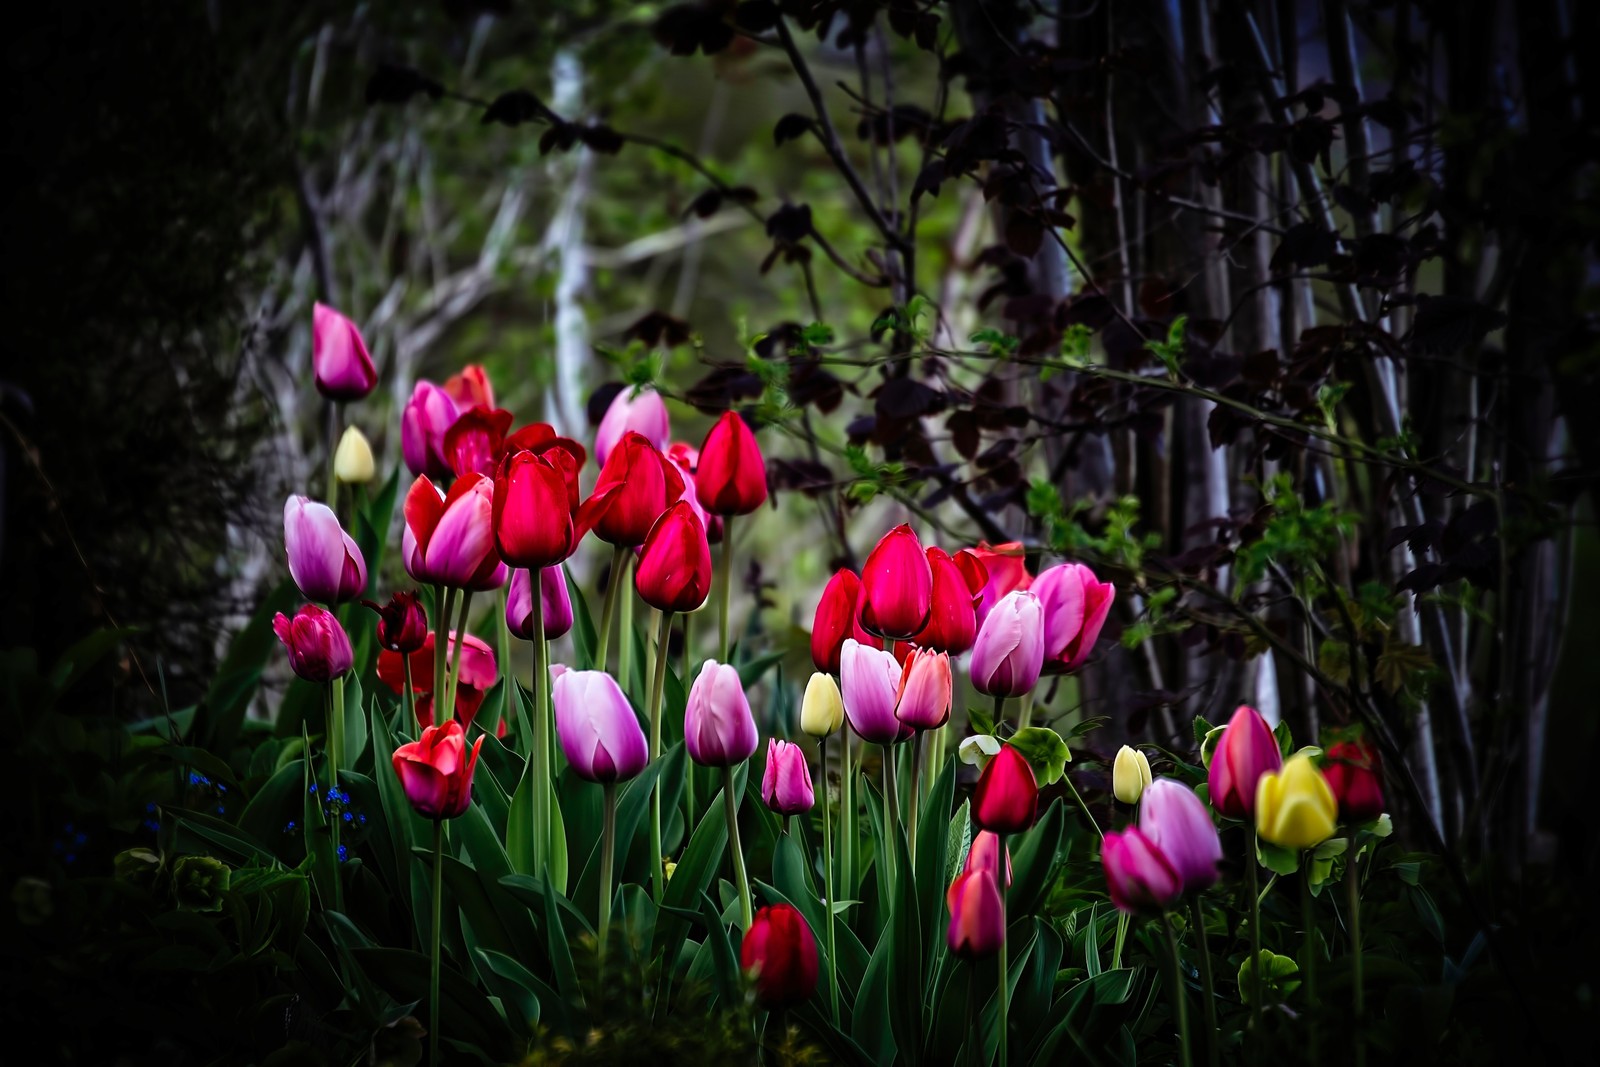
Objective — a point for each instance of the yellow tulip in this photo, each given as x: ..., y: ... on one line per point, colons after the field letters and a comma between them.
x: 352, y: 460
x: 1295, y: 808
x: 1130, y: 774
x: 822, y: 708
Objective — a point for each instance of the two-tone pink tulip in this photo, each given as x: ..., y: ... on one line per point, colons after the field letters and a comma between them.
x: 1246, y: 751
x: 449, y: 539
x: 718, y: 729
x: 786, y: 783
x: 555, y: 603
x: 324, y: 561
x: 1076, y: 605
x: 339, y: 357
x: 1177, y: 822
x: 924, y: 695
x: 599, y: 732
x: 644, y: 414
x: 427, y: 417
x: 869, y: 679
x: 1009, y: 651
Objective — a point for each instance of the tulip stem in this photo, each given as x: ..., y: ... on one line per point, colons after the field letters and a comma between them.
x: 442, y: 596
x: 455, y: 660
x: 1122, y: 937
x: 1025, y: 715
x: 625, y: 627
x: 727, y: 584
x: 335, y: 742
x: 999, y: 713
x: 916, y: 796
x: 730, y: 807
x: 504, y: 652
x: 1308, y: 920
x: 1212, y: 1052
x: 1352, y: 878
x: 847, y: 815
x: 827, y: 874
x: 608, y: 848
x: 658, y: 685
x: 438, y: 925
x: 891, y: 800
x: 543, y: 831
x: 333, y: 449
x: 410, y: 697
x: 1255, y: 938
x: 1004, y: 992
x: 1179, y: 1002
x: 619, y: 555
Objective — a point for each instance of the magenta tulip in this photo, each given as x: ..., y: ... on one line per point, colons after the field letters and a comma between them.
x: 896, y: 586
x: 977, y: 915
x: 428, y: 416
x: 786, y: 783
x: 319, y: 649
x: 869, y: 680
x: 599, y: 732
x: 1075, y: 605
x: 718, y: 729
x: 985, y: 854
x: 1246, y: 751
x: 1177, y: 822
x: 923, y: 698
x: 731, y: 475
x: 556, y: 604
x: 324, y: 561
x: 645, y: 414
x: 1006, y: 798
x: 780, y: 952
x: 449, y: 540
x: 1138, y: 874
x: 1009, y: 651
x: 339, y: 356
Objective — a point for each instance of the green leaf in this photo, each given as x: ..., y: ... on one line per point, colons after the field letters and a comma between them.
x: 1033, y: 860
x: 467, y: 1017
x: 1045, y: 750
x: 1276, y: 977
x: 1275, y: 859
x: 693, y: 873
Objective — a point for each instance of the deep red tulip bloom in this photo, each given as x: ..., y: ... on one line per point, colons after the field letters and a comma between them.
x: 645, y: 414
x: 953, y: 619
x: 428, y: 416
x: 896, y: 586
x: 470, y: 388
x: 339, y: 356
x: 449, y: 540
x: 1246, y: 751
x: 1355, y: 775
x: 533, y: 526
x: 838, y: 619
x: 556, y: 604
x: 1006, y: 800
x: 786, y: 782
x: 635, y: 486
x: 780, y: 951
x: 977, y: 915
x: 474, y: 441
x: 436, y: 771
x: 1003, y: 568
x: 479, y: 673
x: 402, y: 623
x: 674, y: 570
x: 731, y: 477
x: 319, y: 649
x: 1139, y: 875
x: 541, y: 439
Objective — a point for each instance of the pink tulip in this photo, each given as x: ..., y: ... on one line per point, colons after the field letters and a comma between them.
x: 985, y: 854
x: 869, y: 679
x: 923, y: 698
x: 599, y: 732
x: 556, y: 604
x: 718, y: 729
x: 339, y: 356
x: 896, y: 586
x: 436, y: 771
x: 1009, y: 651
x: 786, y: 783
x: 428, y: 416
x: 1176, y: 821
x: 644, y: 414
x: 319, y: 649
x: 1075, y: 604
x: 977, y: 915
x: 1138, y: 874
x: 1006, y: 798
x: 1246, y: 751
x: 324, y: 561
x: 449, y: 540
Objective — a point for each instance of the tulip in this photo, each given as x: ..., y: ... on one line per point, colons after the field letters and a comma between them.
x: 635, y: 486
x: 786, y: 783
x: 1138, y: 874
x: 428, y: 416
x: 449, y: 540
x: 324, y: 561
x: 836, y: 620
x: 319, y: 649
x: 780, y: 951
x: 1006, y: 799
x: 822, y: 707
x: 554, y: 599
x: 1176, y: 821
x: 923, y: 698
x: 644, y: 414
x: 896, y: 586
x: 985, y: 854
x: 477, y: 675
x: 1002, y: 568
x: 1246, y: 751
x: 339, y: 356
x: 718, y: 729
x: 952, y: 620
x: 977, y: 915
x: 1009, y: 651
x: 731, y: 477
x: 352, y: 460
x: 532, y: 518
x: 402, y: 623
x: 541, y: 439
x: 1295, y: 808
x: 474, y: 441
x: 674, y: 569
x: 1130, y: 774
x: 436, y: 771
x: 1075, y: 604
x: 598, y: 730
x: 685, y: 455
x: 870, y: 683
x: 470, y: 388
x: 1355, y: 775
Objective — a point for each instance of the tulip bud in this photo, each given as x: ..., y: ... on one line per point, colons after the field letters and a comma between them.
x: 822, y: 708
x: 450, y: 540
x: 635, y: 486
x: 1295, y: 808
x: 555, y: 603
x: 977, y: 915
x: 1002, y: 570
x: 1355, y: 775
x: 869, y: 683
x: 532, y: 516
x: 599, y: 732
x: 1130, y: 774
x: 140, y: 866
x: 339, y: 356
x: 923, y: 698
x: 436, y: 771
x: 731, y: 477
x: 324, y: 561
x: 319, y: 649
x: 402, y: 622
x: 1009, y: 651
x: 1138, y: 874
x: 1075, y: 605
x: 1246, y: 751
x: 786, y: 783
x: 836, y: 620
x: 474, y: 441
x: 1006, y: 799
x: 1176, y: 821
x: 780, y: 951
x: 644, y: 414
x: 718, y: 729
x: 952, y: 620
x: 200, y: 882
x: 984, y: 855
x: 896, y: 586
x: 541, y: 439
x: 470, y: 388
x: 352, y: 460
x: 674, y: 569
x: 428, y: 416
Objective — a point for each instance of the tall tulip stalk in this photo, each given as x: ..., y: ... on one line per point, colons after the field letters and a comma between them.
x: 730, y: 479
x: 718, y: 731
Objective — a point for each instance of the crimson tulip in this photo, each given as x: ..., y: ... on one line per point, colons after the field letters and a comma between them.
x: 1006, y: 799
x: 1139, y: 875
x: 532, y: 521
x: 1002, y: 567
x: 896, y: 586
x: 1177, y: 822
x: 450, y: 540
x: 635, y: 486
x: 780, y: 951
x: 479, y: 672
x: 977, y: 915
x: 952, y: 618
x: 436, y: 771
x: 402, y: 622
x: 718, y: 729
x: 555, y: 603
x: 869, y: 679
x: 599, y: 732
x: 1355, y: 775
x: 319, y: 649
x: 837, y: 620
x: 922, y: 700
x: 1009, y: 651
x: 674, y: 569
x: 541, y: 439
x: 428, y: 416
x: 1246, y: 751
x: 1075, y: 604
x: 470, y: 387
x: 786, y: 782
x: 339, y: 356
x: 985, y: 854
x: 731, y: 476
x: 324, y: 561
x: 474, y: 441
x: 644, y: 414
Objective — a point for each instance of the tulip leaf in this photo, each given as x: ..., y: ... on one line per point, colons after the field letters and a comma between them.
x: 514, y: 984
x: 1045, y: 750
x: 467, y: 1016
x: 751, y: 671
x: 1276, y: 859
x: 633, y: 804
x: 981, y: 720
x: 1033, y: 860
x: 905, y: 961
x: 933, y: 839
x: 958, y: 840
x: 872, y: 1005
x: 1030, y: 1005
x: 725, y: 964
x: 221, y: 712
x: 584, y: 640
x: 694, y: 872
x: 355, y: 725
x: 1020, y: 952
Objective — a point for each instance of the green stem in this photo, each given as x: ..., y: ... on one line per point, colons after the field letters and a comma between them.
x: 442, y: 602
x: 1255, y: 938
x: 848, y: 822
x: 730, y: 807
x: 1004, y: 992
x: 625, y: 626
x: 619, y: 555
x: 1122, y: 937
x: 1025, y: 716
x: 658, y: 685
x: 1073, y: 789
x: 726, y: 587
x: 333, y: 448
x: 504, y: 652
x: 454, y: 680
x: 999, y: 713
x: 1179, y: 1001
x: 608, y: 848
x: 1308, y: 920
x: 410, y: 697
x: 1352, y: 877
x: 915, y: 797
x: 891, y: 800
x: 827, y: 874
x: 542, y: 828
x: 438, y: 926
x: 1213, y: 1053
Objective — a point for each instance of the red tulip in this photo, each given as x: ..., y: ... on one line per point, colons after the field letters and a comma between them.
x: 1003, y: 568
x: 533, y: 526
x: 319, y: 649
x: 836, y: 620
x: 339, y: 356
x: 473, y: 442
x: 635, y: 486
x: 781, y: 952
x: 1006, y: 799
x: 470, y: 388
x: 896, y: 586
x: 479, y: 672
x: 1246, y: 751
x: 674, y: 571
x: 977, y: 915
x: 685, y: 455
x: 428, y: 416
x: 786, y: 782
x: 436, y: 771
x: 541, y: 439
x: 402, y: 623
x: 450, y: 540
x: 645, y: 414
x: 923, y: 700
x: 1139, y: 876
x: 1076, y: 604
x: 1355, y: 775
x: 731, y: 477
x: 953, y: 619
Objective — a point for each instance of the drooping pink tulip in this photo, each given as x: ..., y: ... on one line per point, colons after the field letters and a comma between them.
x: 923, y: 698
x: 786, y: 782
x: 555, y: 601
x: 869, y: 679
x: 1246, y: 751
x: 436, y: 771
x: 599, y: 732
x: 324, y: 561
x: 718, y: 729
x: 1178, y: 823
x: 1075, y: 604
x: 1009, y: 651
x: 339, y: 356
x: 977, y: 915
x: 645, y: 414
x: 449, y: 540
x: 428, y: 416
x: 896, y: 586
x: 1138, y: 874
x: 319, y: 649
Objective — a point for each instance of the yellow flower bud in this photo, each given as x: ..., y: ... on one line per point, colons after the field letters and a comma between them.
x: 1130, y: 775
x: 352, y: 461
x: 1295, y: 807
x: 822, y: 709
